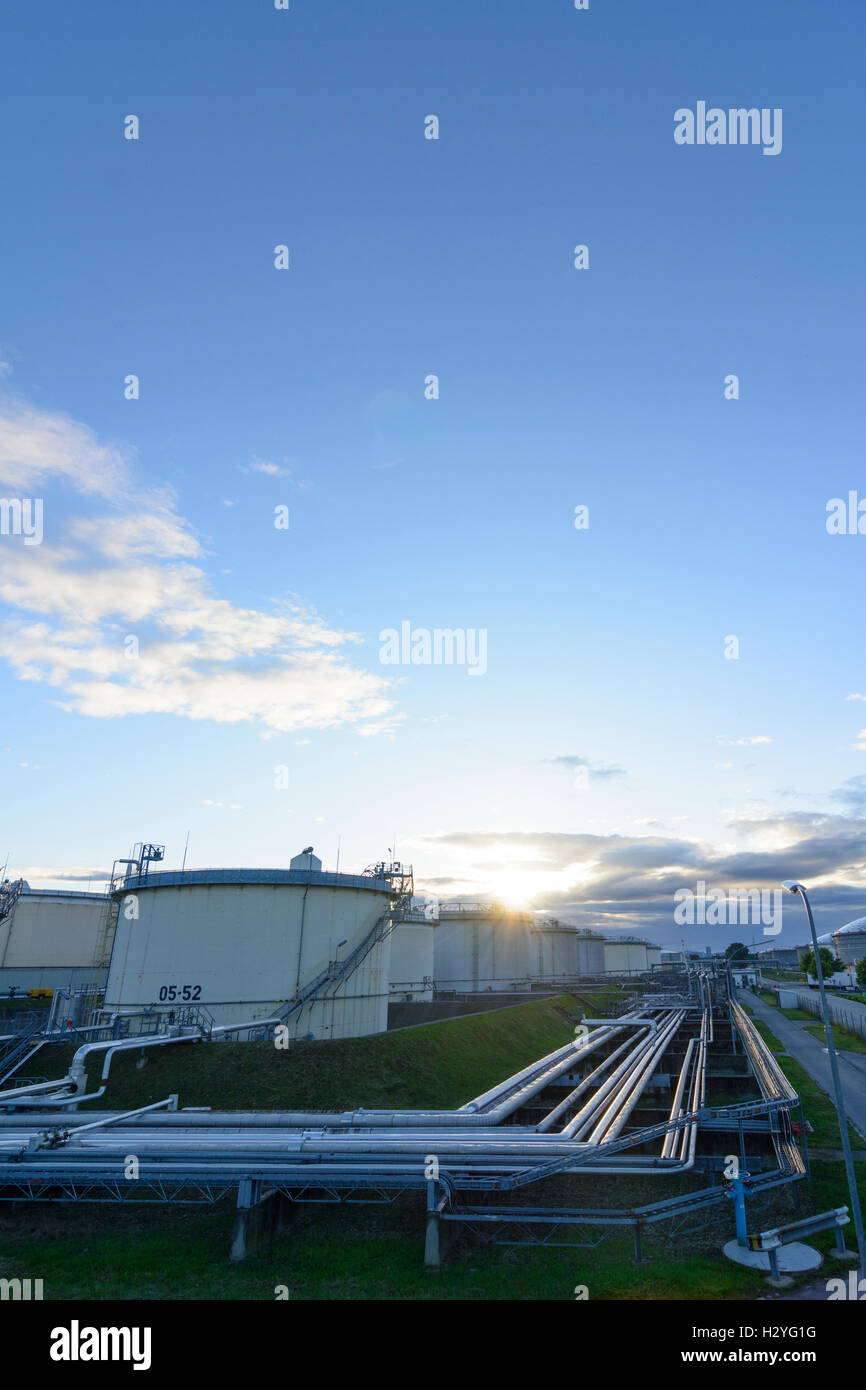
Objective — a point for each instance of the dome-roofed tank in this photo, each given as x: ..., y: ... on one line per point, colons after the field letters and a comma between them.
x: 850, y: 941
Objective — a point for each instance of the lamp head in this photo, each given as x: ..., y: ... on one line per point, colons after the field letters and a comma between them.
x: 792, y: 886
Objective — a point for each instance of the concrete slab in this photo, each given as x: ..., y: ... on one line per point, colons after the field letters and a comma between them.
x: 795, y: 1258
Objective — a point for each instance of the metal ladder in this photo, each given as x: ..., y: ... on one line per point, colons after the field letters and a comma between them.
x: 340, y: 970
x: 10, y: 892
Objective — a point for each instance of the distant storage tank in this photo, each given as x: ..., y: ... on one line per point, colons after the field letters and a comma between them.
x: 653, y: 955
x: 480, y: 947
x: 555, y: 951
x: 850, y: 942
x: 590, y: 953
x: 625, y: 956
x: 412, y: 956
x: 50, y: 939
x: 245, y: 943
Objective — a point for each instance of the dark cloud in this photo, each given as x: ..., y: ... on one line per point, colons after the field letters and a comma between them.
x: 633, y: 879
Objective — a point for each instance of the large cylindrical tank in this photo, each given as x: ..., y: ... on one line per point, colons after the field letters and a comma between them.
x: 242, y: 944
x: 590, y: 953
x: 482, y: 947
x: 51, y: 939
x: 554, y: 951
x: 412, y: 956
x: 653, y: 955
x: 625, y: 956
x: 849, y: 942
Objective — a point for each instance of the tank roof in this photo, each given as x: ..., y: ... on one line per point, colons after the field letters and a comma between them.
x: 190, y: 878
x: 858, y: 925
x: 28, y: 892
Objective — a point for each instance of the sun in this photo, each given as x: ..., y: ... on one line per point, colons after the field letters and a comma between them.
x: 515, y: 889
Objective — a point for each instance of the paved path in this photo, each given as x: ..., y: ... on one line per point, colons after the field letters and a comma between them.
x: 812, y: 1056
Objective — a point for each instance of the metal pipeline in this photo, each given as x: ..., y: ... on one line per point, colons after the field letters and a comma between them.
x: 622, y: 1106
x: 591, y: 1080
x: 585, y: 1117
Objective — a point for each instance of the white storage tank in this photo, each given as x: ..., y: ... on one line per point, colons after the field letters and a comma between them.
x: 653, y: 955
x: 243, y: 943
x: 590, y: 953
x: 554, y: 951
x: 412, y: 956
x: 625, y: 956
x: 849, y: 942
x: 482, y: 947
x: 50, y: 939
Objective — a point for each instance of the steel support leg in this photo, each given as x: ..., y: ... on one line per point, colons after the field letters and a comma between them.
x: 434, y: 1240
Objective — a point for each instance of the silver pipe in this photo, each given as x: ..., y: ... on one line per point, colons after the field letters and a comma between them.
x: 623, y: 1105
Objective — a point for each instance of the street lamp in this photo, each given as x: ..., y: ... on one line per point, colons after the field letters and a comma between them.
x: 793, y: 887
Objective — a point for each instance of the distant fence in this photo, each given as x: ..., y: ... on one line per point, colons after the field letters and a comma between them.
x: 853, y: 1019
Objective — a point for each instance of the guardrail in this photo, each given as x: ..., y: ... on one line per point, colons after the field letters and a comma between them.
x: 770, y: 1242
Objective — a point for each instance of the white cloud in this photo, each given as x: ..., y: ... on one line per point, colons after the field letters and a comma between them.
x: 121, y: 537
x: 36, y: 447
x: 272, y: 470
x: 743, y: 742
x: 37, y: 874
x: 199, y: 656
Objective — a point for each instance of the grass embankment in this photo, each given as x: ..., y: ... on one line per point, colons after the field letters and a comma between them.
x: 435, y: 1066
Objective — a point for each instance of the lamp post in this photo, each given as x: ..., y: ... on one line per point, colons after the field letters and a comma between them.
x: 856, y: 1213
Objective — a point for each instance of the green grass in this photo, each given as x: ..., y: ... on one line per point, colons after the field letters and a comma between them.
x: 343, y: 1254
x: 844, y: 1041
x: 436, y: 1066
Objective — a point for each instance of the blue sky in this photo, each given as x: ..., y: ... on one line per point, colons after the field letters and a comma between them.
x: 558, y: 387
